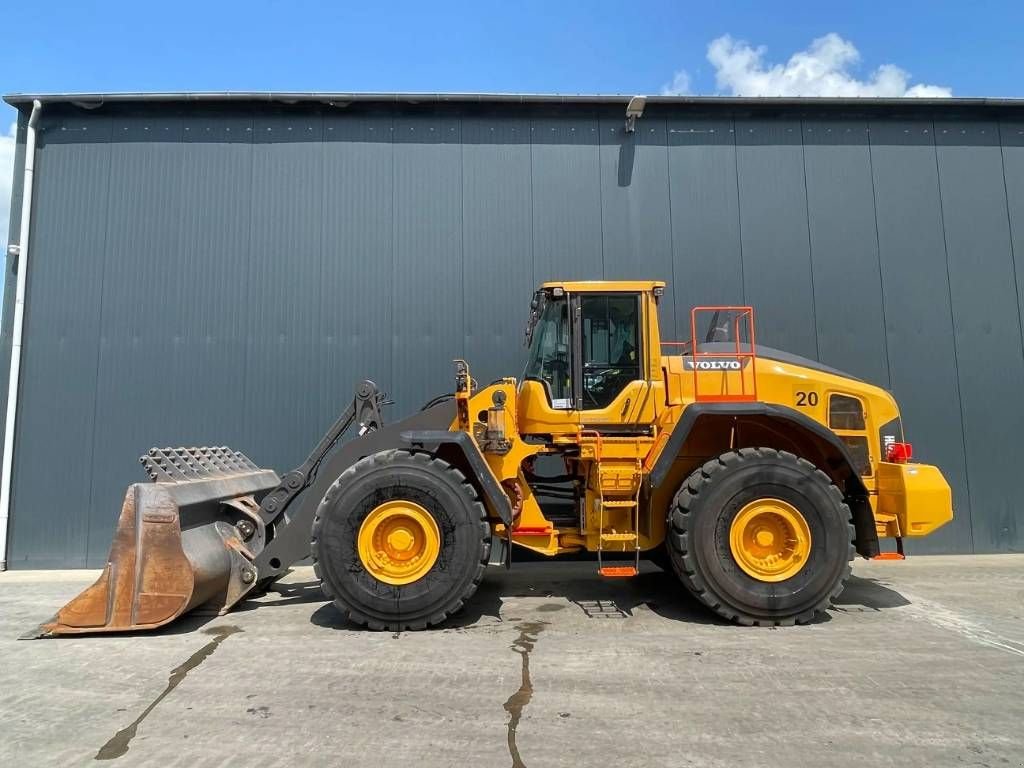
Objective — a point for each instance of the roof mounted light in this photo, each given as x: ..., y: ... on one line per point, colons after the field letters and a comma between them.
x: 634, y: 109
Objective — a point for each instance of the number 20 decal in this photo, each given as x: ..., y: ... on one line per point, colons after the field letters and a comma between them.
x: 807, y: 399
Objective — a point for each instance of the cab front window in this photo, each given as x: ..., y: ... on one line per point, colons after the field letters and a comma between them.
x: 549, y: 358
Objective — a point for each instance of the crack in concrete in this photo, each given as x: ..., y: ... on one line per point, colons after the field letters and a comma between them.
x: 119, y: 742
x: 523, y: 645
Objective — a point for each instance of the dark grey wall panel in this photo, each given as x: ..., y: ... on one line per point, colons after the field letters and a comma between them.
x: 146, y: 295
x: 636, y: 221
x: 773, y: 227
x: 497, y: 242
x: 427, y: 279
x: 226, y: 275
x: 1012, y: 143
x: 922, y: 358
x: 56, y: 421
x: 706, y: 247
x: 844, y: 248
x: 987, y: 332
x: 283, y: 288
x: 567, y: 240
x: 358, y: 259
x: 209, y: 328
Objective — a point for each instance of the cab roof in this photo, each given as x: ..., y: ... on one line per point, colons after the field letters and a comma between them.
x: 603, y: 286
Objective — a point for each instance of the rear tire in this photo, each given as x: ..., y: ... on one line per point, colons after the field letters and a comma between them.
x: 427, y: 484
x: 710, y: 504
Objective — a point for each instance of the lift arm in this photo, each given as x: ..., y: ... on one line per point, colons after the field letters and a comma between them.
x: 364, y: 409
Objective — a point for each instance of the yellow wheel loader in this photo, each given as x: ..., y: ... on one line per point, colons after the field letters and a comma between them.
x: 754, y: 475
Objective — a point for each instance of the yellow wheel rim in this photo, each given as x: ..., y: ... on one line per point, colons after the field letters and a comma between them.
x: 770, y: 540
x: 399, y: 542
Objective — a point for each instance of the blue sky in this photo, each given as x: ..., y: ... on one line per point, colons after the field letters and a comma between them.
x: 966, y: 49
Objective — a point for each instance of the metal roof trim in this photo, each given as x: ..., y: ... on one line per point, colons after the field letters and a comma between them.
x: 23, y: 100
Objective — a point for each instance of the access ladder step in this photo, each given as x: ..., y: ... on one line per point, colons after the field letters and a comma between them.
x: 627, y: 504
x: 618, y: 571
x: 618, y: 537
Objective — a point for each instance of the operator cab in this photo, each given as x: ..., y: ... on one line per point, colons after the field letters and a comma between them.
x: 591, y: 350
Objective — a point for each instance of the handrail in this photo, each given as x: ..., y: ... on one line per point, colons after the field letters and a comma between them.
x: 738, y: 352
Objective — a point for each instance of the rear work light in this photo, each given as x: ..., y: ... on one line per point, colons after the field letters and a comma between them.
x: 899, y: 453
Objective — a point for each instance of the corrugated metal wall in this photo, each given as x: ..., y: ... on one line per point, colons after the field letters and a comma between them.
x: 225, y: 277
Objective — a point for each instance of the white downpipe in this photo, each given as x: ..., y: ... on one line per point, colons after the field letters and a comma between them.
x: 16, y: 332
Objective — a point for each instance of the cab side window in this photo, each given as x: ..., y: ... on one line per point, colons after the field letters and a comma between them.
x: 611, y: 346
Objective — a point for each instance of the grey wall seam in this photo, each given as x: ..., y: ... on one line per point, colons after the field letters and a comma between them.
x: 952, y: 330
x: 532, y: 209
x: 739, y: 208
x: 392, y: 345
x: 671, y: 233
x: 322, y: 358
x: 810, y: 244
x: 462, y: 239
x: 878, y: 259
x: 532, y: 227
x: 1009, y: 229
x: 600, y: 195
x: 462, y: 235
x: 246, y: 347
x: 99, y: 347
x: 390, y: 320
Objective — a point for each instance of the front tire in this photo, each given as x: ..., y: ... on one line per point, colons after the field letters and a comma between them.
x: 400, y: 541
x: 761, y: 537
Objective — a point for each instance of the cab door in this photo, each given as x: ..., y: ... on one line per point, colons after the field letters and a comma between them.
x: 589, y: 366
x: 610, y: 385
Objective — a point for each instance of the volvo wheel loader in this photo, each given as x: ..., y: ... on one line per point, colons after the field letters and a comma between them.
x: 753, y: 474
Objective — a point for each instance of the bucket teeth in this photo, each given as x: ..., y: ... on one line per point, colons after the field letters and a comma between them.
x: 175, y: 465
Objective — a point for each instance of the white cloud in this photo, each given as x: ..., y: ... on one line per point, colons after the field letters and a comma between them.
x: 823, y: 69
x: 680, y: 85
x: 6, y: 179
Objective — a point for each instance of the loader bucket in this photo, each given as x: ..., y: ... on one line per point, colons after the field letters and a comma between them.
x: 185, y: 540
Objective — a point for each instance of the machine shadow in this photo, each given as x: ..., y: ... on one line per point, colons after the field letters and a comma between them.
x: 653, y: 590
x: 871, y: 594
x: 282, y: 594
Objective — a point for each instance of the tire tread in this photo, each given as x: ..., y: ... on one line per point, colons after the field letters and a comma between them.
x: 433, y: 464
x: 683, y: 558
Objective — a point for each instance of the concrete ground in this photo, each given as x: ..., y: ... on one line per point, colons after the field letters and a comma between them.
x: 920, y: 663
